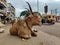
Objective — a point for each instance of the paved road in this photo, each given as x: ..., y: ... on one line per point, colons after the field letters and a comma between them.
x: 51, y: 29
x: 47, y: 34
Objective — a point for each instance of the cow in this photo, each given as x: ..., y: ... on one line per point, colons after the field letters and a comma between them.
x: 22, y: 27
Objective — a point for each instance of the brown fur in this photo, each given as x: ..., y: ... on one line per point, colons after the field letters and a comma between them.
x: 33, y: 19
x: 19, y: 29
x: 12, y: 22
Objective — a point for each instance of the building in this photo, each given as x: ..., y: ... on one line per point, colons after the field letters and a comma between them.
x: 11, y: 11
x: 57, y: 18
x: 3, y: 3
x: 3, y: 10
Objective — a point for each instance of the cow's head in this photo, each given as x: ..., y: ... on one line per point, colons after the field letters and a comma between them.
x: 33, y: 19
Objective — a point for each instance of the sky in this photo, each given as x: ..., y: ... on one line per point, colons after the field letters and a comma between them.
x: 20, y: 5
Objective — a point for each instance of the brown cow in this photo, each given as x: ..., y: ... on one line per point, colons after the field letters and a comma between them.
x: 33, y: 20
x: 19, y: 29
x: 22, y: 30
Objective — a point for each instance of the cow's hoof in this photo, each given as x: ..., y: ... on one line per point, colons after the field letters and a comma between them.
x: 34, y: 34
x: 25, y: 37
x: 35, y: 30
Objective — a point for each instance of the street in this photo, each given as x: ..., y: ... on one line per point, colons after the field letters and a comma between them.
x: 51, y: 29
x: 47, y: 34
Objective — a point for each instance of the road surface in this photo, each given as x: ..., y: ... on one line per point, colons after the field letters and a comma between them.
x: 47, y: 34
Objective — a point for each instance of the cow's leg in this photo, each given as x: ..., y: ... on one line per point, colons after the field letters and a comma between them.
x: 24, y: 35
x: 33, y: 33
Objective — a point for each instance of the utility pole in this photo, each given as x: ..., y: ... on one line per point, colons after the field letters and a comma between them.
x: 56, y: 11
x: 51, y: 11
x: 37, y: 5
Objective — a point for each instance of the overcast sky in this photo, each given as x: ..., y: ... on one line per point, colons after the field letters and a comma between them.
x: 20, y: 5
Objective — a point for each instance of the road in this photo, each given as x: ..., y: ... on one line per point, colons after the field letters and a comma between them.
x: 51, y: 29
x: 47, y: 34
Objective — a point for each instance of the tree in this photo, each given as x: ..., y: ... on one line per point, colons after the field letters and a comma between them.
x: 27, y: 13
x: 24, y: 13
